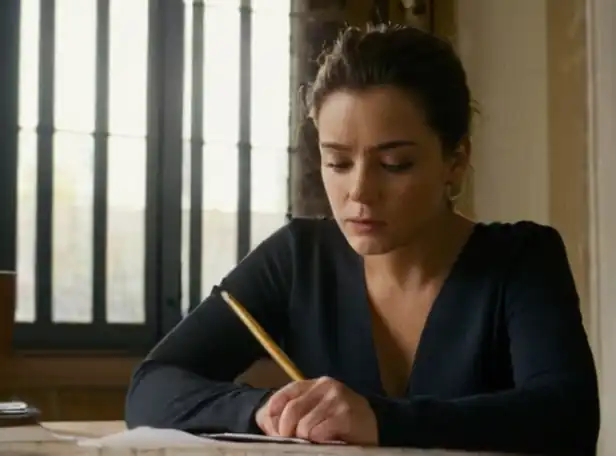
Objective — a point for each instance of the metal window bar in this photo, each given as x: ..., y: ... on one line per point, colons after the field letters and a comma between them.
x: 9, y: 61
x: 44, y: 198
x: 153, y: 215
x: 196, y: 152
x: 168, y: 186
x: 101, y: 134
x: 244, y: 147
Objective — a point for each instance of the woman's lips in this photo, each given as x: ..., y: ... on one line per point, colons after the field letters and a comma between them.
x: 365, y: 226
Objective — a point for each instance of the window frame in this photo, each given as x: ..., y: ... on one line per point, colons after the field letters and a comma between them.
x: 164, y: 140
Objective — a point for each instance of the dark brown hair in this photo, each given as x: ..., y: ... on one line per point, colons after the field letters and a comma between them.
x: 423, y: 65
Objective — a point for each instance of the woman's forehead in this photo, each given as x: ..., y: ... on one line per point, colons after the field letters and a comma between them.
x: 378, y: 113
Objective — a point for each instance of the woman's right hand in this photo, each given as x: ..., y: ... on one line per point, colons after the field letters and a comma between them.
x: 322, y: 410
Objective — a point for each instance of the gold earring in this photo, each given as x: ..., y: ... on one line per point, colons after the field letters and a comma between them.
x: 451, y: 196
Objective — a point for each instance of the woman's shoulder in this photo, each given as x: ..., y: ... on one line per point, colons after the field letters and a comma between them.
x: 520, y: 242
x: 517, y: 234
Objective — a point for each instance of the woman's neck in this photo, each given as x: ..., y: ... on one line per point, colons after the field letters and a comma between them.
x: 429, y: 256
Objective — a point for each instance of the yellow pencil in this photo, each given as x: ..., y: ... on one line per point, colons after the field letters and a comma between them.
x: 264, y: 339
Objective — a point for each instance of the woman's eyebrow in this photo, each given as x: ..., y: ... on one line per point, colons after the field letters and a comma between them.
x: 335, y: 146
x: 385, y: 146
x: 393, y: 145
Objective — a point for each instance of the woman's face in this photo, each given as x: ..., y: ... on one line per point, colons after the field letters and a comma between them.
x: 383, y: 167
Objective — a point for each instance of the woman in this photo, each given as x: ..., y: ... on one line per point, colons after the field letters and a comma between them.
x: 416, y: 326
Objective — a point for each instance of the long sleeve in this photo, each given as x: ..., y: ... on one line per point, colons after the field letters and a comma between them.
x: 186, y: 382
x: 553, y: 408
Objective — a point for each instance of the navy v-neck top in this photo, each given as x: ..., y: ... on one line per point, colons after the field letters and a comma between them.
x: 503, y: 363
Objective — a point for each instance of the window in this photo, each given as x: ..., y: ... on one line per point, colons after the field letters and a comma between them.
x: 152, y: 155
x: 221, y: 139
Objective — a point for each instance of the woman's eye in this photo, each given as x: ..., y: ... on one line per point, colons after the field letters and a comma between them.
x: 339, y: 166
x: 398, y: 167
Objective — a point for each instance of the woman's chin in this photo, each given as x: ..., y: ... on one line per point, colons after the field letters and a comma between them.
x: 369, y: 245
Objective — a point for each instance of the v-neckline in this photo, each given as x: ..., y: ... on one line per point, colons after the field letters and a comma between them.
x: 433, y: 313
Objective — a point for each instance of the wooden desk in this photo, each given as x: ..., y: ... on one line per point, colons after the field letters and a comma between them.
x: 99, y: 429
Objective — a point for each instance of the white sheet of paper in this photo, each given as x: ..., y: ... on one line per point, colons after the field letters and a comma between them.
x: 150, y: 438
x: 231, y: 437
x: 145, y: 438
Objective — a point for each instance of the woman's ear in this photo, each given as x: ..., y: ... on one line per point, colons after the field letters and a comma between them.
x: 459, y: 162
x: 465, y: 147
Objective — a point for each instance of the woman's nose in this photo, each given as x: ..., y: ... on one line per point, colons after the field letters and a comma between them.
x: 364, y: 186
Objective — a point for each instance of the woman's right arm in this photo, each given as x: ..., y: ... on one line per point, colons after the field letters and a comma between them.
x: 186, y: 382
